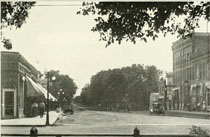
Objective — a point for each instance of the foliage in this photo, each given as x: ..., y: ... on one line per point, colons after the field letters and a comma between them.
x: 7, y: 43
x: 125, y: 88
x: 86, y: 95
x: 116, y: 21
x: 198, y: 131
x: 77, y: 100
x: 14, y: 14
x: 62, y: 87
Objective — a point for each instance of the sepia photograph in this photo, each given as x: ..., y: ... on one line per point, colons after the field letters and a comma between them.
x: 105, y: 68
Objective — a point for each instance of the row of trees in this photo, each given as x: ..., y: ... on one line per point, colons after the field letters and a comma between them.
x: 125, y: 88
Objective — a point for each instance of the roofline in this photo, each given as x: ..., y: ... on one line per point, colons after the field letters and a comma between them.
x: 190, y: 36
x: 24, y: 60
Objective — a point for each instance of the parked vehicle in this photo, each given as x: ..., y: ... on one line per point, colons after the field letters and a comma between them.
x: 68, y: 110
x: 157, y: 108
x: 156, y: 104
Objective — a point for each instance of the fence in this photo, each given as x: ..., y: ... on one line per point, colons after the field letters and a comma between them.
x: 136, y: 133
x: 90, y: 135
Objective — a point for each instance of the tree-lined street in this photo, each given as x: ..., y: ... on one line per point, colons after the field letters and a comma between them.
x: 66, y: 68
x: 98, y: 122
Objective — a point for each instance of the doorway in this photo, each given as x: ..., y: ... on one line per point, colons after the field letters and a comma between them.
x: 9, y: 103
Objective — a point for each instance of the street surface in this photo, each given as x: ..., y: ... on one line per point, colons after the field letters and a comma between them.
x: 90, y: 122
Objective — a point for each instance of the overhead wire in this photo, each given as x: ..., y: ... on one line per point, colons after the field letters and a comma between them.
x: 57, y: 5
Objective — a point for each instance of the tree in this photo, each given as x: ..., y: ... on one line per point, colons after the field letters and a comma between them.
x: 116, y: 87
x: 122, y: 88
x: 14, y: 14
x: 78, y: 100
x: 86, y: 95
x: 63, y: 84
x: 117, y: 21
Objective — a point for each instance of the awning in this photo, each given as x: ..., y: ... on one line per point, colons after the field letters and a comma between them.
x: 38, y: 89
x: 32, y: 88
x: 161, y: 97
x: 45, y: 93
x: 193, y: 90
x: 177, y: 88
x: 192, y: 86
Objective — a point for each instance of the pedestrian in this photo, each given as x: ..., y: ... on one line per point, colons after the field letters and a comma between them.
x: 34, y: 109
x: 41, y: 108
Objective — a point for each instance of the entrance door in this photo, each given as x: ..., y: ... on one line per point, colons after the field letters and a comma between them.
x: 9, y: 104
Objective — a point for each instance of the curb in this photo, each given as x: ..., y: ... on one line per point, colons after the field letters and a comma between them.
x: 23, y: 125
x: 188, y: 115
x: 58, y: 117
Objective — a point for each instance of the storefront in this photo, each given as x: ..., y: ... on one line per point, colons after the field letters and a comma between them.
x: 19, y: 86
x: 176, y: 98
x: 199, y: 94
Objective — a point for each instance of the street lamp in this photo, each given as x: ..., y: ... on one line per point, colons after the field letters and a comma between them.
x: 165, y: 94
x: 48, y: 87
x: 60, y: 92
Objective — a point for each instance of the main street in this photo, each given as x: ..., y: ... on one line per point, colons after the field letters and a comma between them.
x: 90, y: 122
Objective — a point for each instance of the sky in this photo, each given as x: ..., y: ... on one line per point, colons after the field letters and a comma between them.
x: 56, y: 38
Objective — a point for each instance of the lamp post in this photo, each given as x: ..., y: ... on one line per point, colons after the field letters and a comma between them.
x: 165, y: 94
x: 60, y: 94
x: 47, y: 108
x: 47, y: 116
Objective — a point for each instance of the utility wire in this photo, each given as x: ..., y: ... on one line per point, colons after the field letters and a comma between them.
x: 58, y: 5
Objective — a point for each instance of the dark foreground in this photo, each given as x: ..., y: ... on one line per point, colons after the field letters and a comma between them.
x: 99, y: 122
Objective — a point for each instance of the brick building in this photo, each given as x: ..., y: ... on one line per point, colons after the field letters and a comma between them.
x: 19, y: 85
x: 191, y: 71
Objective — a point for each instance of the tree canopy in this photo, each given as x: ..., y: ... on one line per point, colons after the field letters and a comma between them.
x: 117, y: 21
x: 125, y: 88
x: 63, y: 87
x: 13, y: 14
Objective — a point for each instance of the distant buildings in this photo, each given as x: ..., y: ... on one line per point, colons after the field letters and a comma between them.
x: 165, y: 86
x: 191, y: 73
x: 19, y: 86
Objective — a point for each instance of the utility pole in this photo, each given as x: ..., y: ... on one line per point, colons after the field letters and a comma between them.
x: 165, y: 95
x: 47, y: 115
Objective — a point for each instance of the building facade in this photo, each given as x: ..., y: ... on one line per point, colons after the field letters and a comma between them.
x: 19, y: 86
x: 191, y: 71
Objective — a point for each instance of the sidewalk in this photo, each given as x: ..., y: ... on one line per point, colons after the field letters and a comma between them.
x: 191, y: 114
x: 35, y: 121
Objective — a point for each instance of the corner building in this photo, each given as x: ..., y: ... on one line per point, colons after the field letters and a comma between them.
x: 19, y: 86
x: 191, y: 73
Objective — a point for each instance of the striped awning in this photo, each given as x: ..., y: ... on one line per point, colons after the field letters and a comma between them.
x: 51, y: 97
x: 35, y: 89
x: 32, y: 88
